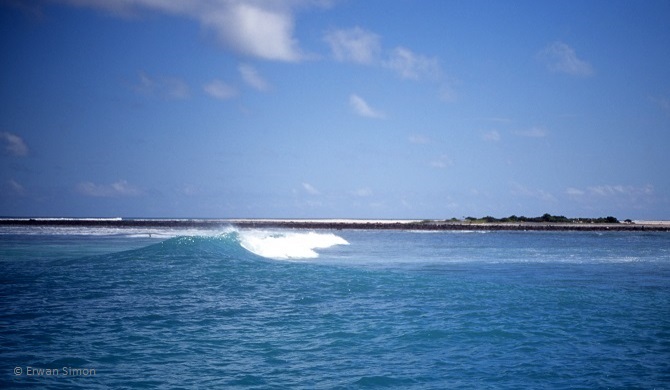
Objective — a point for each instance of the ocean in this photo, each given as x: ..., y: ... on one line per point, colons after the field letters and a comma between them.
x: 223, y: 307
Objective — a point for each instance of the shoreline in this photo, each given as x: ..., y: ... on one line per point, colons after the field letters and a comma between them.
x: 338, y: 224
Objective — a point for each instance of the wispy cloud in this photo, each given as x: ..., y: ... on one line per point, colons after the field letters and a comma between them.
x: 491, y: 136
x: 447, y: 93
x: 496, y: 119
x: 362, y: 192
x: 572, y: 191
x: 189, y: 190
x: 310, y: 189
x: 611, y: 191
x: 163, y: 87
x: 618, y: 195
x: 418, y: 139
x: 521, y: 190
x: 616, y: 190
x: 409, y: 65
x: 251, y: 76
x: 262, y: 29
x: 219, y: 90
x: 362, y: 108
x: 363, y: 47
x: 16, y: 187
x: 14, y: 145
x: 533, y: 132
x: 559, y: 57
x: 117, y: 189
x: 442, y: 162
x: 354, y: 45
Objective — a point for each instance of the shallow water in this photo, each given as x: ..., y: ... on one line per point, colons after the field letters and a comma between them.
x: 334, y: 309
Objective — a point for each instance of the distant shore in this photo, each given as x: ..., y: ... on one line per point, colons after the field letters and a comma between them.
x: 339, y: 224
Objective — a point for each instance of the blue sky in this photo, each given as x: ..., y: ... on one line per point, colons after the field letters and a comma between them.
x: 334, y: 108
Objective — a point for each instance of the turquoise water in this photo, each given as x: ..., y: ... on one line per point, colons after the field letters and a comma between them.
x: 231, y: 308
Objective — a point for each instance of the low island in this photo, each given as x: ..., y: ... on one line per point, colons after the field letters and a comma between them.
x: 545, y: 222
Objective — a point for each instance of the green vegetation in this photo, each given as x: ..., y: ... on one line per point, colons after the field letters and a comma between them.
x: 548, y: 218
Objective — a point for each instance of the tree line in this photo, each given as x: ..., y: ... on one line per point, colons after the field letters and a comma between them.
x: 544, y: 218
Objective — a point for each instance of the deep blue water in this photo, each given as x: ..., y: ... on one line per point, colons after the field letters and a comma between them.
x: 255, y: 309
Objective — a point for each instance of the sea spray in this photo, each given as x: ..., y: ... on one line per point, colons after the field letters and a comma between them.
x: 287, y: 245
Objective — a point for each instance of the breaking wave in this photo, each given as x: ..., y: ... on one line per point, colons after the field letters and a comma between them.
x: 287, y: 245
x: 270, y: 244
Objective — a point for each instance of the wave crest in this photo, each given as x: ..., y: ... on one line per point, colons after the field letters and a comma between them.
x: 287, y: 245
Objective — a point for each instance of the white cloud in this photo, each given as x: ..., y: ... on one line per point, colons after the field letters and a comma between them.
x: 119, y: 188
x: 189, y: 190
x: 418, y: 139
x: 255, y: 31
x: 363, y: 47
x: 562, y: 58
x: 606, y: 190
x: 310, y: 189
x: 614, y: 196
x: 571, y: 191
x: 256, y: 28
x: 496, y: 119
x: 447, y: 93
x: 362, y: 192
x: 164, y: 87
x: 176, y: 88
x: 219, y: 90
x: 251, y: 76
x: 14, y: 145
x: 491, y: 136
x: 410, y: 65
x: 251, y: 29
x: 616, y: 190
x: 442, y: 162
x: 362, y: 108
x: 533, y: 132
x: 521, y: 190
x: 354, y: 45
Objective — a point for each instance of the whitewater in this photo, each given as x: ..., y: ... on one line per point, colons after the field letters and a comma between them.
x: 163, y: 307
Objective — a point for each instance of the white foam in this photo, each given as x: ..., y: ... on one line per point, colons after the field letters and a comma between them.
x: 129, y: 232
x: 287, y: 245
